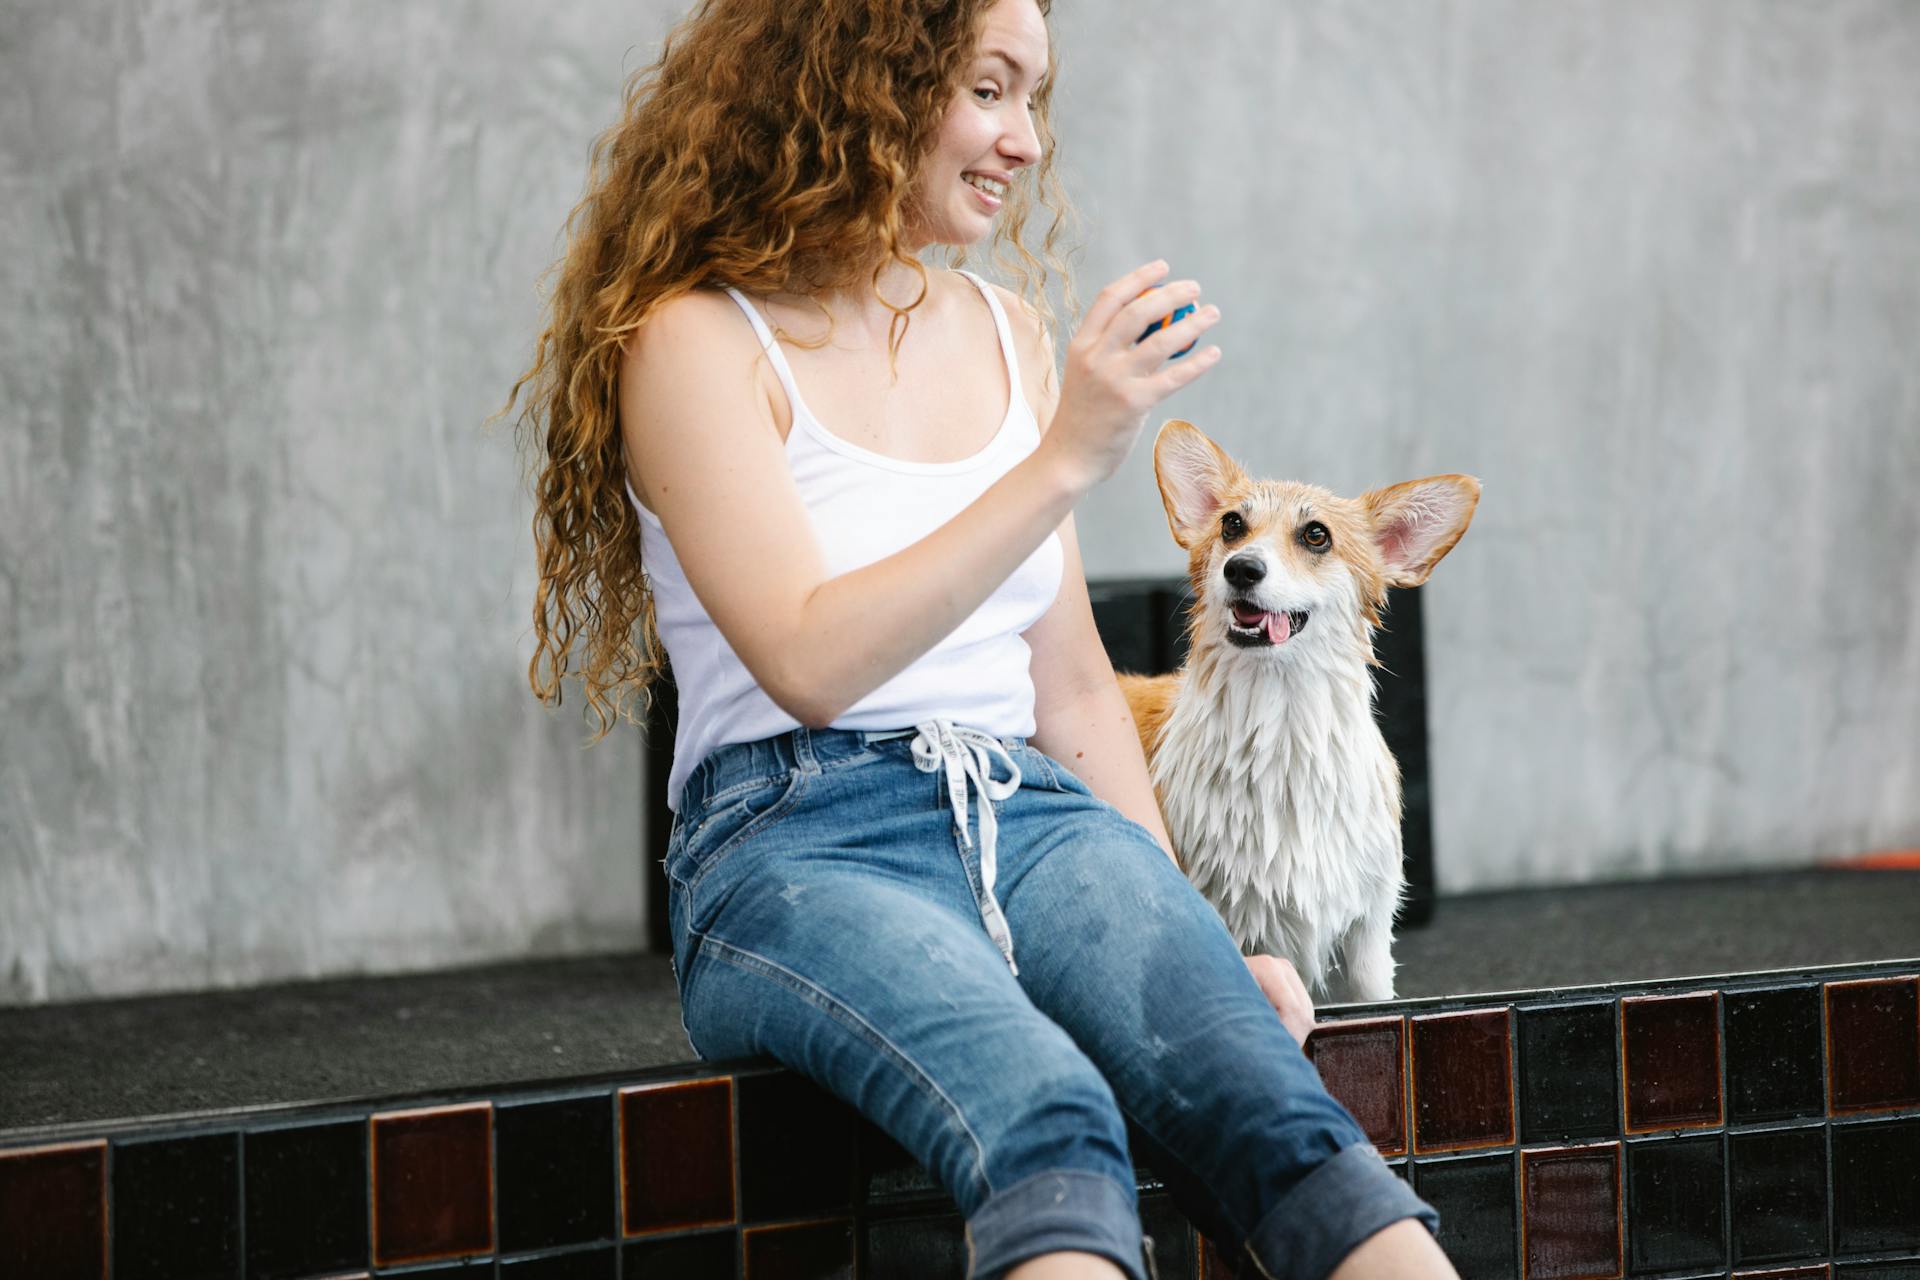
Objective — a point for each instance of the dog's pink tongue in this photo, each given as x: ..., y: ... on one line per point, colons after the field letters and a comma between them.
x: 1279, y: 626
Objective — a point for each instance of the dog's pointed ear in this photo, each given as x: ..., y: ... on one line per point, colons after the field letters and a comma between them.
x: 1416, y: 523
x: 1194, y: 475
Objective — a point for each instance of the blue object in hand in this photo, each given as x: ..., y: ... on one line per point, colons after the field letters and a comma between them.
x: 1163, y: 322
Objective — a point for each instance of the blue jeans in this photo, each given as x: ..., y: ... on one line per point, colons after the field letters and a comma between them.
x: 827, y: 911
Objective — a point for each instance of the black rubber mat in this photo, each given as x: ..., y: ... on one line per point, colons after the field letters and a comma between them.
x: 349, y: 1039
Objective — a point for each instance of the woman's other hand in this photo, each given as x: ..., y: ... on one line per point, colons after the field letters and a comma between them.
x: 1113, y: 379
x: 1285, y: 992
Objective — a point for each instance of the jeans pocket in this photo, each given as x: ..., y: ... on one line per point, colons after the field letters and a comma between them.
x: 720, y: 831
x: 1038, y: 769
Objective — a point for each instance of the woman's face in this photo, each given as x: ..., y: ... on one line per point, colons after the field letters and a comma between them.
x: 987, y: 135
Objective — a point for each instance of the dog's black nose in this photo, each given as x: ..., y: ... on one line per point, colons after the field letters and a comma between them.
x: 1244, y: 571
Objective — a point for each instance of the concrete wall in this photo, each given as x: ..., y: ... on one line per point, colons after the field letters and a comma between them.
x: 1651, y: 271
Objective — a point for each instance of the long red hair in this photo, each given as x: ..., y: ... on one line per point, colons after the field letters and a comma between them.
x: 771, y: 147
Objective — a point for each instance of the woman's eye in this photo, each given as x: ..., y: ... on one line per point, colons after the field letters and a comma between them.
x: 1232, y: 527
x: 992, y: 92
x: 1314, y: 536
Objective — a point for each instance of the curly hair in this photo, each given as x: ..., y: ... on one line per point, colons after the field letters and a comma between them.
x: 772, y: 147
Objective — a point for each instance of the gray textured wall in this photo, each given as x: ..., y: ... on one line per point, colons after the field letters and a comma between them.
x: 1651, y: 271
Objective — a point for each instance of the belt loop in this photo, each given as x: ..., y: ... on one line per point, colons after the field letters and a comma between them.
x: 803, y: 757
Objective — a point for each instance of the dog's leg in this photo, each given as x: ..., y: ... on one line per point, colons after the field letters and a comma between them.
x: 1366, y: 957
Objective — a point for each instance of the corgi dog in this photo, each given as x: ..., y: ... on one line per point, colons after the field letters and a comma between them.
x: 1278, y: 790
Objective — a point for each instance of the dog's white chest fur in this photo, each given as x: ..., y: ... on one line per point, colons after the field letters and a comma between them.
x: 1284, y: 803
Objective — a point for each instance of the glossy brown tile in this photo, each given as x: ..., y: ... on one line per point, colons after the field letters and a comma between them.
x: 1570, y: 1216
x: 1462, y: 1080
x: 1873, y: 1044
x: 1670, y: 1059
x: 676, y: 1156
x: 53, y: 1211
x: 1363, y: 1064
x: 432, y: 1183
x: 799, y: 1251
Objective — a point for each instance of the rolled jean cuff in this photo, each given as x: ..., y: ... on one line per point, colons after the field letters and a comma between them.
x: 1333, y: 1209
x: 1061, y: 1209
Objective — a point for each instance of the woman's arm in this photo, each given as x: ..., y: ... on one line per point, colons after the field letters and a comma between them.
x: 1081, y: 717
x: 702, y: 444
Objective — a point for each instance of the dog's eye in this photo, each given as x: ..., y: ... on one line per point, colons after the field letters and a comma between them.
x: 1232, y: 526
x: 1314, y: 537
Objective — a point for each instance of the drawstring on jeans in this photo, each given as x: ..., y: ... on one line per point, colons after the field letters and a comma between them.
x: 969, y: 755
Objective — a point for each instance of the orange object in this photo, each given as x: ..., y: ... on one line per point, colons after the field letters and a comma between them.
x: 1890, y: 860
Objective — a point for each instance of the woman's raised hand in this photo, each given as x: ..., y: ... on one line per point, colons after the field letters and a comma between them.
x: 1113, y: 380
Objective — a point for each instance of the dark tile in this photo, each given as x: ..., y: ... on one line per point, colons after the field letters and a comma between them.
x: 306, y: 1200
x: 53, y: 1212
x: 1362, y: 1062
x: 1908, y: 1270
x: 801, y: 1251
x: 1571, y: 1223
x: 1162, y: 1221
x: 1775, y: 1058
x: 705, y: 1255
x: 1478, y: 1225
x: 1876, y: 1186
x: 176, y: 1208
x: 1791, y: 1273
x: 585, y: 1264
x: 1462, y: 1082
x: 1569, y: 1073
x: 926, y: 1246
x: 1873, y: 1044
x: 676, y: 1155
x: 1672, y: 1055
x: 1676, y: 1204
x: 1778, y: 1195
x: 796, y: 1149
x: 556, y: 1172
x: 432, y: 1183
x: 888, y: 1171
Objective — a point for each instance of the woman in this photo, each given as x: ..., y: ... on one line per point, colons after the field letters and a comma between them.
x: 849, y: 479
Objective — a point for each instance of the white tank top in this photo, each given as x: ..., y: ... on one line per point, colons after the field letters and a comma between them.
x: 865, y: 506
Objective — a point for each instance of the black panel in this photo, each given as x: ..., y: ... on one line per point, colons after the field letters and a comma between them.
x: 589, y: 1264
x: 1779, y: 1195
x: 306, y: 1200
x: 1401, y: 709
x: 710, y: 1255
x: 1876, y: 1186
x: 1774, y: 1061
x: 796, y: 1149
x: 1475, y: 1199
x: 176, y: 1209
x: 1676, y: 1217
x: 1569, y: 1073
x: 554, y: 1162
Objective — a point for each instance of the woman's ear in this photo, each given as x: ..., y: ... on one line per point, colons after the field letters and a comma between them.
x: 1416, y: 523
x: 1195, y: 476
